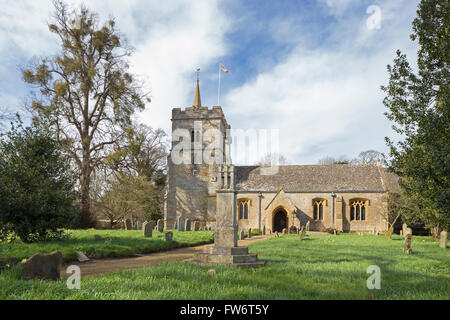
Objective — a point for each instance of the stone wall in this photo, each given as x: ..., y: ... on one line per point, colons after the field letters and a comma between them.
x: 304, y: 210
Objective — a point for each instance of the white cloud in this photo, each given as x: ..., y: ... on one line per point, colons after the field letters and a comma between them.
x: 170, y: 41
x: 327, y: 100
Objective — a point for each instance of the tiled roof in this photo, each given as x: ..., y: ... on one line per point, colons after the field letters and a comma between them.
x: 336, y: 177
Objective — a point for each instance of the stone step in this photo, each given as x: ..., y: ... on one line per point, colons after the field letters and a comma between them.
x: 243, y: 258
x: 256, y: 264
x: 239, y: 250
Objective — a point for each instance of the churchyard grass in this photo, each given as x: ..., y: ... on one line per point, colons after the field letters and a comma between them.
x: 109, y: 244
x: 318, y: 267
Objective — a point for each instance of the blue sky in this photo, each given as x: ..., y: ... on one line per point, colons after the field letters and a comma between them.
x: 312, y: 69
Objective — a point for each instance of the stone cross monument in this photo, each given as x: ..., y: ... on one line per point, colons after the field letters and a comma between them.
x: 225, y: 249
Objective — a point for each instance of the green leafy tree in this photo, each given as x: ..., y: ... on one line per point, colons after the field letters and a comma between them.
x: 86, y: 94
x: 36, y: 186
x: 419, y: 105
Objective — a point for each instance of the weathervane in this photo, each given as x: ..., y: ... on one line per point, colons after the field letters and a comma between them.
x: 198, y: 74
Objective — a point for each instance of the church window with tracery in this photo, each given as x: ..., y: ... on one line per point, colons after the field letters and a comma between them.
x: 318, y: 209
x: 243, y: 209
x: 358, y: 210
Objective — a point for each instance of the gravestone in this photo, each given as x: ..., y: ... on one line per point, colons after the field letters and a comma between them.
x: 180, y: 223
x: 127, y: 223
x: 302, y: 233
x: 152, y: 224
x: 168, y: 236
x: 241, y: 235
x: 138, y: 225
x: 187, y: 225
x: 292, y: 230
x: 443, y: 242
x: 276, y: 234
x: 160, y: 225
x: 307, y: 226
x: 147, y: 229
x: 175, y: 225
x: 404, y: 227
x: 82, y: 257
x: 249, y: 233
x: 408, y: 238
x: 196, y: 225
x: 264, y: 230
x: 43, y: 266
x: 284, y: 231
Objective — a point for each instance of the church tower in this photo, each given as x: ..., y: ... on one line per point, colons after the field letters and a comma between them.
x: 198, y: 163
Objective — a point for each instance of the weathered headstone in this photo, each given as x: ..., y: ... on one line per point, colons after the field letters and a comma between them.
x: 43, y: 266
x: 292, y: 230
x: 138, y: 225
x: 264, y: 230
x: 249, y: 233
x: 443, y: 242
x: 404, y: 227
x: 168, y: 236
x: 180, y: 223
x: 241, y: 235
x: 147, y: 229
x: 302, y: 233
x: 187, y: 225
x: 82, y: 257
x: 160, y: 225
x: 196, y: 225
x: 307, y: 226
x: 408, y: 238
x: 284, y: 231
x: 276, y: 234
x: 175, y: 225
x: 127, y: 223
x: 152, y: 224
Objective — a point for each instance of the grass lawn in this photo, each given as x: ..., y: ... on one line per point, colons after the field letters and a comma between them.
x: 111, y: 244
x: 318, y: 267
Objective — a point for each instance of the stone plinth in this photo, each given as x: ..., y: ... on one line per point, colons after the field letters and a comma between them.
x: 225, y: 249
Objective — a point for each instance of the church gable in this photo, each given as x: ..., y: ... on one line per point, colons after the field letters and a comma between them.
x: 283, y: 200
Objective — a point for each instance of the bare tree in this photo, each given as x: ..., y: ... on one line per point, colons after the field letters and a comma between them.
x: 87, y: 95
x: 271, y: 159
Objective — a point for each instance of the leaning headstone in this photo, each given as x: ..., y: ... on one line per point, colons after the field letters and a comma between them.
x: 284, y: 231
x: 404, y: 227
x: 249, y: 233
x: 407, y: 248
x: 443, y: 242
x: 147, y: 229
x: 82, y: 257
x: 139, y: 225
x: 168, y: 236
x: 127, y: 223
x: 241, y: 235
x: 196, y: 225
x: 43, y: 266
x: 302, y: 233
x: 307, y: 226
x: 160, y: 225
x: 264, y: 230
x: 180, y: 223
x: 187, y: 225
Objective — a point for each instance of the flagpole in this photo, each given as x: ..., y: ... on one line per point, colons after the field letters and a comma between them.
x: 218, y: 90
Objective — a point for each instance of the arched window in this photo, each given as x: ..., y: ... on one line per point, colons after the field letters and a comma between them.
x: 243, y: 209
x: 358, y: 209
x: 318, y: 205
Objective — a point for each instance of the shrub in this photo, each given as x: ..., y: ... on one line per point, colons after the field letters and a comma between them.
x: 36, y: 186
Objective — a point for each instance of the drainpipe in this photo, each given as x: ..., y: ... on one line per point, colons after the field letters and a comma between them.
x: 259, y: 210
x: 333, y: 195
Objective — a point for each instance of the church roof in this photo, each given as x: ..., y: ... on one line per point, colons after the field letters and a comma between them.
x: 311, y: 178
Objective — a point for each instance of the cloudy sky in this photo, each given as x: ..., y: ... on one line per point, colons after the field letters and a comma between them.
x: 311, y: 69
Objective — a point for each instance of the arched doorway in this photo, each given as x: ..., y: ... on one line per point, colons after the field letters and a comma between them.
x: 280, y: 220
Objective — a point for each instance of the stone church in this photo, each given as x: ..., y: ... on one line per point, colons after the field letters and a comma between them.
x: 345, y: 197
